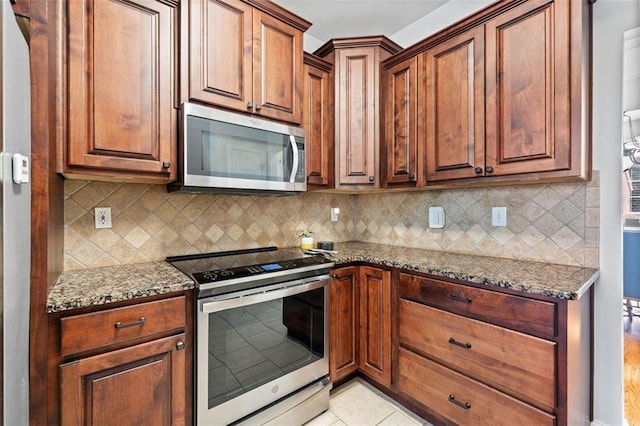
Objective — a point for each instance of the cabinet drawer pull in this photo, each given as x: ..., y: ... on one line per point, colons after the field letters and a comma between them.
x: 249, y: 105
x: 166, y: 164
x: 180, y: 346
x: 464, y: 405
x: 141, y: 321
x: 258, y: 107
x: 478, y: 170
x: 462, y: 345
x: 489, y: 169
x: 459, y: 298
x: 371, y: 178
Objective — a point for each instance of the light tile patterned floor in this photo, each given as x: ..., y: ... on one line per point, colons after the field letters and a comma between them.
x: 357, y: 403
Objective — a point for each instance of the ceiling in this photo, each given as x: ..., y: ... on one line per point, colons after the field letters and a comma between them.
x: 349, y: 18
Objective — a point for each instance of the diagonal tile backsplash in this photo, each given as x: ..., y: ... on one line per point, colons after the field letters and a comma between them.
x: 546, y: 222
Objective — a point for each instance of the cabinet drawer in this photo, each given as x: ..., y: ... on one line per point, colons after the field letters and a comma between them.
x: 460, y: 399
x: 85, y: 332
x: 519, y: 313
x: 521, y: 365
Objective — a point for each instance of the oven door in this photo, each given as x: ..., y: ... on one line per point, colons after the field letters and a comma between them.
x: 258, y: 346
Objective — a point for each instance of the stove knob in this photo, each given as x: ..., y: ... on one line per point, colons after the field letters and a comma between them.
x: 210, y: 276
x: 226, y: 273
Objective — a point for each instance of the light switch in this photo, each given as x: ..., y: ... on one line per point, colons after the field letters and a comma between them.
x: 436, y: 217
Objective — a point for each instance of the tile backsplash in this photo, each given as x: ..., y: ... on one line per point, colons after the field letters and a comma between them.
x: 546, y: 222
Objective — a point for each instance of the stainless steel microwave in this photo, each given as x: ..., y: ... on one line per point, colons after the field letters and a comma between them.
x: 222, y: 151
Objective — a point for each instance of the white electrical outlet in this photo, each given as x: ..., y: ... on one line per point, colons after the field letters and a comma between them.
x: 103, y: 217
x: 334, y: 214
x: 498, y: 216
x: 436, y: 217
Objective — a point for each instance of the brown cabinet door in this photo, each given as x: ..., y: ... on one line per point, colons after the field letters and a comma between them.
x: 357, y: 123
x: 121, y: 70
x: 142, y: 384
x: 400, y: 143
x: 318, y: 126
x: 528, y: 89
x: 277, y: 69
x: 343, y: 328
x: 454, y: 100
x: 375, y: 324
x: 220, y: 60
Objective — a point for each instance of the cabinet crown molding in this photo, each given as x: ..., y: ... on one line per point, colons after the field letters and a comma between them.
x: 280, y: 13
x: 351, y: 42
x: 311, y: 59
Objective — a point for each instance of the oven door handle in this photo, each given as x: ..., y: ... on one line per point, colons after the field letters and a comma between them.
x: 208, y: 306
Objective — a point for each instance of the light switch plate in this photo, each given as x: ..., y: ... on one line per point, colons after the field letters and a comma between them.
x: 436, y: 217
x: 498, y: 216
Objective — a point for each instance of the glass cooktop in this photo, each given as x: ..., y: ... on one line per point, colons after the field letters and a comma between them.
x: 232, y: 265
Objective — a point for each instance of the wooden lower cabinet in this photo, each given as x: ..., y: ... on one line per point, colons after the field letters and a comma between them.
x: 130, y: 364
x: 469, y: 355
x: 344, y: 323
x: 142, y: 384
x: 360, y: 326
x: 375, y: 324
x: 460, y: 399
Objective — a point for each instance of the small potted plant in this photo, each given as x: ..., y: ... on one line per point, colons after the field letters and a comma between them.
x: 306, y: 240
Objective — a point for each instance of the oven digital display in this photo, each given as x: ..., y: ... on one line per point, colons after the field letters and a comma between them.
x: 271, y: 267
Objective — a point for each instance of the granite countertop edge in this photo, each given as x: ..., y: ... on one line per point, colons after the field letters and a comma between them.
x: 81, y: 288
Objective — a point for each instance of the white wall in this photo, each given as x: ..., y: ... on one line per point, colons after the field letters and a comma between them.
x: 611, y: 19
x: 442, y: 17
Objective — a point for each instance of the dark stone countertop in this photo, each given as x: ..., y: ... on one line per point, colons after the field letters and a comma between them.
x: 97, y: 286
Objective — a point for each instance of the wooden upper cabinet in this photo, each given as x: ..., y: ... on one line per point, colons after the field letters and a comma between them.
x: 452, y: 107
x: 528, y: 89
x: 357, y: 111
x: 400, y: 153
x: 242, y: 57
x: 317, y: 122
x: 220, y: 69
x: 120, y: 88
x: 502, y: 96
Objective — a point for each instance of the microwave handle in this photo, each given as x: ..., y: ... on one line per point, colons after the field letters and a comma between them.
x: 294, y: 166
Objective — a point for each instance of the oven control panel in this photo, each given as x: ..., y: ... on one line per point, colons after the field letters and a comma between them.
x: 218, y: 275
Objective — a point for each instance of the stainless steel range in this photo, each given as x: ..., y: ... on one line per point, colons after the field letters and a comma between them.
x: 262, y: 345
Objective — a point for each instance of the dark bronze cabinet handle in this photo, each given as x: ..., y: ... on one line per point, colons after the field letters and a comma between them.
x: 249, y: 105
x: 464, y: 405
x: 180, y: 346
x: 371, y: 178
x: 478, y: 169
x: 462, y: 345
x: 141, y: 321
x: 258, y: 107
x: 166, y: 164
x: 489, y: 169
x: 459, y: 298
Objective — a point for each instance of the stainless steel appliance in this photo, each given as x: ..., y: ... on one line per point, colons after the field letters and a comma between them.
x: 15, y: 225
x: 222, y: 151
x: 262, y: 346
